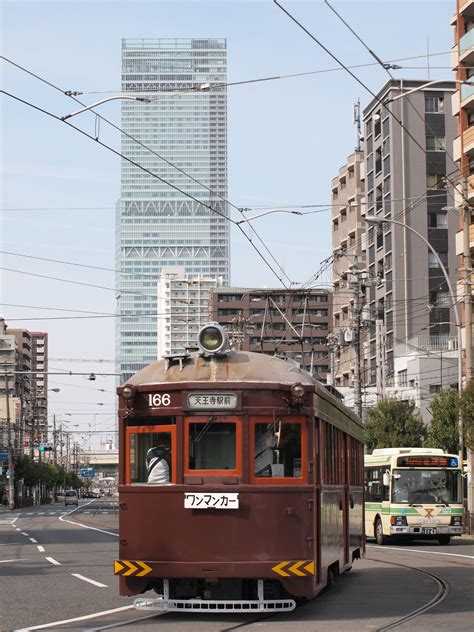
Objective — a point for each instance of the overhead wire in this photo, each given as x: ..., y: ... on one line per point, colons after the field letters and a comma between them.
x: 179, y: 169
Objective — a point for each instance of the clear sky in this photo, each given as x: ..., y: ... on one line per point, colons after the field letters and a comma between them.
x: 287, y: 140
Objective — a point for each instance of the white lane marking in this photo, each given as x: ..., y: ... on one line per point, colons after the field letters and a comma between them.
x: 40, y: 548
x: 95, y: 615
x: 41, y: 513
x: 24, y: 533
x: 51, y: 560
x: 20, y: 559
x: 409, y: 550
x: 91, y: 581
x: 18, y: 529
x: 33, y: 540
x: 119, y: 624
x: 86, y: 526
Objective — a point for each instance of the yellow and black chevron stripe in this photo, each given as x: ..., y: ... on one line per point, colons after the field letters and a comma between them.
x: 302, y: 568
x: 126, y: 568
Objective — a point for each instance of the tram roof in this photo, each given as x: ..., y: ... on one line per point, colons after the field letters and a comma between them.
x: 235, y: 366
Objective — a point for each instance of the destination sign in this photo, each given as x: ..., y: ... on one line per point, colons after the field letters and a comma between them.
x: 427, y: 461
x: 212, y: 401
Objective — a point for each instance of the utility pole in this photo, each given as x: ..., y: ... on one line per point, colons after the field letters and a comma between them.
x: 467, y: 273
x: 11, y: 466
x: 359, y: 299
x: 55, y: 456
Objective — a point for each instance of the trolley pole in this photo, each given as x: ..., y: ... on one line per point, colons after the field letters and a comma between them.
x: 11, y: 465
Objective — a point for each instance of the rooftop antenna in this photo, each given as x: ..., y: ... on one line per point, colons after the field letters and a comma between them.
x: 357, y: 123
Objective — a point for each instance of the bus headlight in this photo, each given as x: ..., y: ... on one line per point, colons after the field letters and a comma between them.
x: 398, y: 521
x: 456, y: 521
x: 212, y: 339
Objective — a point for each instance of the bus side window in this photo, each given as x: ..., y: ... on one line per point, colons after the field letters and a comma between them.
x: 373, y: 484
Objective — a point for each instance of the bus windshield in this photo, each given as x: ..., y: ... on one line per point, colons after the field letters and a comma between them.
x: 425, y: 486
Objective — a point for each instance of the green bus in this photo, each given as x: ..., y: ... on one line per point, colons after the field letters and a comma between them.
x: 412, y: 493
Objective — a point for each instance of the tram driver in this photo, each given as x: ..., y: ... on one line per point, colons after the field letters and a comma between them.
x: 157, y: 466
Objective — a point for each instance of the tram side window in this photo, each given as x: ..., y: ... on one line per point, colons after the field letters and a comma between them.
x: 150, y: 457
x: 212, y: 445
x: 278, y: 450
x: 373, y: 484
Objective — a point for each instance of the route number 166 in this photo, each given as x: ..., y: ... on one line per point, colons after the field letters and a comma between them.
x: 159, y: 399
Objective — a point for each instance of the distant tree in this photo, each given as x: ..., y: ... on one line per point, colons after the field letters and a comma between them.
x: 393, y: 423
x: 444, y: 429
x: 467, y: 411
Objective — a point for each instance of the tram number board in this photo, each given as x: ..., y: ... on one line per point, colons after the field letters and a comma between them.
x: 211, y: 500
x: 427, y: 461
x: 212, y: 401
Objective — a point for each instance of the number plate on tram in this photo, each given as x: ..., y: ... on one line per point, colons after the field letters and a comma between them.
x: 201, y: 500
x: 428, y: 531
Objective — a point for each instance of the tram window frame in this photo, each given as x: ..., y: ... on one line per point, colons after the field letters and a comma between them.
x: 237, y: 471
x: 284, y: 480
x: 156, y: 429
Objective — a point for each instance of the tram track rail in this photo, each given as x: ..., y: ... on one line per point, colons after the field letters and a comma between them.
x: 439, y: 597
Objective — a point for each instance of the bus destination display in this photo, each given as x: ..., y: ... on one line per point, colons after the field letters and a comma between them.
x: 427, y: 461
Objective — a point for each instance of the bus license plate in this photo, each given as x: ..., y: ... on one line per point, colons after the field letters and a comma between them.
x: 428, y: 531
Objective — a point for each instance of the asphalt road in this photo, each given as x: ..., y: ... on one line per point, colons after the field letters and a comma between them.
x: 56, y: 565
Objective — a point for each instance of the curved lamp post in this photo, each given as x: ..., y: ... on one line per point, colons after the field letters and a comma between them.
x: 273, y: 210
x: 89, y: 107
x: 370, y: 219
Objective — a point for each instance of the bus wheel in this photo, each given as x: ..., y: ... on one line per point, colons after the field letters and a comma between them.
x: 444, y: 539
x: 380, y: 538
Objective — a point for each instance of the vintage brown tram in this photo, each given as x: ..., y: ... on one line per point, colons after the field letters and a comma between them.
x: 260, y: 500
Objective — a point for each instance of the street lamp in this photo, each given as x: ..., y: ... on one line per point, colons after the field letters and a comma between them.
x: 89, y: 107
x: 371, y: 219
x: 426, y: 85
x: 273, y: 210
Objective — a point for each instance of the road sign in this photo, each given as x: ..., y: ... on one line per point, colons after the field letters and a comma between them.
x: 88, y: 472
x: 3, y: 456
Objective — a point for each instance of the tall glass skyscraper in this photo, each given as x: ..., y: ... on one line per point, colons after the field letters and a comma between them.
x: 159, y: 226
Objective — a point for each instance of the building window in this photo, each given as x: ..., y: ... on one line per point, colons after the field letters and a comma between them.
x: 434, y: 104
x: 435, y: 388
x: 435, y: 181
x: 433, y: 259
x: 435, y: 143
x: 402, y: 378
x: 437, y: 220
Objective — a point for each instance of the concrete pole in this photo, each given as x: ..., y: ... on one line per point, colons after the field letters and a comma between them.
x: 11, y: 465
x: 467, y: 272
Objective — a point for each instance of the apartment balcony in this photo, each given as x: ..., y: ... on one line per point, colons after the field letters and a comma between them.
x: 468, y: 141
x: 455, y: 102
x: 466, y: 96
x: 454, y: 57
x: 466, y: 47
x: 466, y: 8
x: 457, y: 149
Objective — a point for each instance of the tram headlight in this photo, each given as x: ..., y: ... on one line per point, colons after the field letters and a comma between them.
x: 212, y: 339
x: 128, y: 391
x: 297, y: 393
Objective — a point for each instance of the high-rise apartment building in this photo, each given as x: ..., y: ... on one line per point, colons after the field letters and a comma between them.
x: 39, y: 384
x: 408, y: 337
x: 161, y: 222
x: 463, y: 148
x: 348, y: 228
x: 290, y: 323
x: 463, y: 106
x: 407, y: 179
x: 184, y: 307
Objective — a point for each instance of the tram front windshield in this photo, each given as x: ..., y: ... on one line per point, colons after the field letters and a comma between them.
x: 425, y: 486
